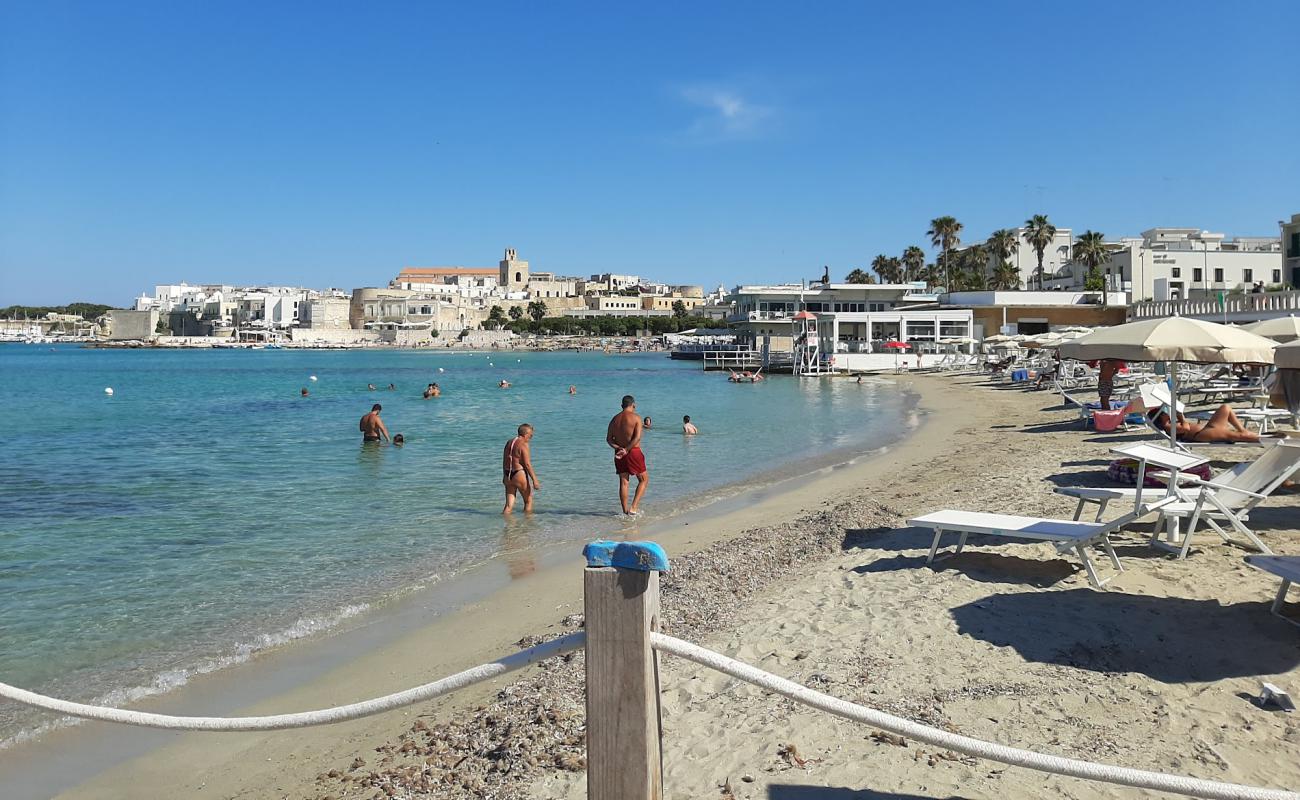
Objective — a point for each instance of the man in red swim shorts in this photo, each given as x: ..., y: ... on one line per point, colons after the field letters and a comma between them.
x: 624, y: 435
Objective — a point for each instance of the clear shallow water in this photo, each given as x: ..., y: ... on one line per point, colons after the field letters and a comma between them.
x: 205, y: 510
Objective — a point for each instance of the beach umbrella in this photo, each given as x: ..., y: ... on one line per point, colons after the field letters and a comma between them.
x: 1172, y: 340
x: 1287, y: 356
x: 1279, y: 329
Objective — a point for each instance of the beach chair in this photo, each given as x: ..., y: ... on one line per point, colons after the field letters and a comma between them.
x: 1285, y: 567
x: 1228, y: 497
x: 1065, y: 535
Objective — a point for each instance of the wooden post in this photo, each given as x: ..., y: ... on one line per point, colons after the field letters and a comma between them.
x: 623, y: 727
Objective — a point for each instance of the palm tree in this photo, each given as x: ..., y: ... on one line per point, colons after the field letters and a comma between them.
x: 884, y: 268
x: 945, y: 234
x: 975, y: 262
x: 859, y: 276
x: 1006, y: 276
x: 931, y: 274
x: 1039, y: 233
x: 1002, y: 245
x: 913, y: 263
x: 537, y: 310
x: 516, y: 313
x: 1091, y: 251
x: 496, y: 316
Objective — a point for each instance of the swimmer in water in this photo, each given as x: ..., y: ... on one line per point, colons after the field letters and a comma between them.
x: 648, y: 426
x: 432, y: 391
x: 392, y: 388
x: 372, y: 427
x: 688, y: 428
x: 304, y: 391
x: 399, y: 440
x: 504, y: 384
x: 573, y: 389
x: 370, y: 386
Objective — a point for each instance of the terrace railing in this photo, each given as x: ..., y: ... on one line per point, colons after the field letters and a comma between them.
x: 1267, y: 304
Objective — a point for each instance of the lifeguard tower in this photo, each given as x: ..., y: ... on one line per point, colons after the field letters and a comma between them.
x: 807, y: 346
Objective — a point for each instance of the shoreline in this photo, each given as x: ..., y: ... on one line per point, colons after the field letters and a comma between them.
x: 534, y: 602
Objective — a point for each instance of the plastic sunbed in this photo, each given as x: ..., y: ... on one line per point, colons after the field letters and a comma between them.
x: 1285, y: 567
x: 1065, y: 534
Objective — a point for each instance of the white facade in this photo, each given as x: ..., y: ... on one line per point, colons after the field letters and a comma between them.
x: 1183, y: 263
x: 1291, y: 251
x: 856, y: 317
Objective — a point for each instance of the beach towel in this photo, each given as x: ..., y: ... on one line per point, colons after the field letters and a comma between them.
x: 1125, y: 471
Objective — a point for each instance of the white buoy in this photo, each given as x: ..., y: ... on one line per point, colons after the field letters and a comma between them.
x: 440, y: 369
x: 490, y: 364
x: 108, y: 390
x: 312, y: 378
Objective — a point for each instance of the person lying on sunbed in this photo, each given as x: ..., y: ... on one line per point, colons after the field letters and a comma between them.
x: 1222, y: 426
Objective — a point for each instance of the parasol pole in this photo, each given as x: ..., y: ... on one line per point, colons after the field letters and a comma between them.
x: 1172, y: 381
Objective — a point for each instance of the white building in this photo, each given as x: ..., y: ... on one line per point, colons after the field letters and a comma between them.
x: 859, y: 318
x: 609, y: 282
x: 1182, y: 263
x: 1291, y: 243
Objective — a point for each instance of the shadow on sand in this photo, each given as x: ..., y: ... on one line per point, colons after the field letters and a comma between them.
x: 1169, y: 639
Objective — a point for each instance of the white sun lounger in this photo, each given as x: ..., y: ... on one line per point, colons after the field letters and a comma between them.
x: 1228, y: 497
x: 1065, y: 534
x: 1285, y: 567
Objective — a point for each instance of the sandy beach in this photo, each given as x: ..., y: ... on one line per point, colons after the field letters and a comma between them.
x: 818, y: 580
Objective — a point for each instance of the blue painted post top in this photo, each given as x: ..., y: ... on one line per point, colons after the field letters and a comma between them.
x: 640, y: 556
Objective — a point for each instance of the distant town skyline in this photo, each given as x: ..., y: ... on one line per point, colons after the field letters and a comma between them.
x: 331, y: 145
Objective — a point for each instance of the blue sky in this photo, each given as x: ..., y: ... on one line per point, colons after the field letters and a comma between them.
x: 332, y: 143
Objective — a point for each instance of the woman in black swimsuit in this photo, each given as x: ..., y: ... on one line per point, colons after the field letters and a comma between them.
x: 517, y: 473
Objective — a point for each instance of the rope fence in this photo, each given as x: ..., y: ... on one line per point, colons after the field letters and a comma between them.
x: 623, y: 731
x: 304, y: 719
x: 1056, y: 765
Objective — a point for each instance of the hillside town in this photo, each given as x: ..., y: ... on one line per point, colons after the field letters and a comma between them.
x: 1024, y: 281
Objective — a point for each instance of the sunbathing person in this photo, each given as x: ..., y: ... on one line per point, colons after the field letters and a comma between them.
x: 1222, y: 426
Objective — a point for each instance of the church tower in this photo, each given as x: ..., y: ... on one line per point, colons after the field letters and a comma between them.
x: 514, y: 273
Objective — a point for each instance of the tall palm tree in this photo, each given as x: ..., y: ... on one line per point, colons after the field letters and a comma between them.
x: 859, y: 276
x: 945, y: 234
x: 1002, y: 244
x: 913, y: 263
x: 1039, y: 233
x: 931, y: 274
x: 1091, y: 251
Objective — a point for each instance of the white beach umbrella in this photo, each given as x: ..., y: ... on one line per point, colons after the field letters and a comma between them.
x: 1287, y: 356
x: 1279, y: 329
x: 1172, y: 340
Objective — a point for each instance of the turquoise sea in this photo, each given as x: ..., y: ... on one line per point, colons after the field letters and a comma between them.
x: 205, y: 510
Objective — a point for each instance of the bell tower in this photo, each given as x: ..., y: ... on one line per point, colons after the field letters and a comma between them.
x: 514, y: 273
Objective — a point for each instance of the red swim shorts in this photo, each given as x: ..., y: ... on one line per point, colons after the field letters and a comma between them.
x: 632, y: 462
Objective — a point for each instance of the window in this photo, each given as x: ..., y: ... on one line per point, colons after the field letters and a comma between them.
x: 1176, y: 272
x: 1248, y: 276
x: 1277, y: 276
x: 1198, y: 275
x: 1218, y: 274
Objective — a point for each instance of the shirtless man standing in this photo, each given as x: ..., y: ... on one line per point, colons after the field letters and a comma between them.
x: 624, y: 435
x: 517, y: 473
x: 372, y: 427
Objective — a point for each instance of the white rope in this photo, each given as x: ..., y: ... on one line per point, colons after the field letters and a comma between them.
x: 324, y: 716
x: 1057, y: 765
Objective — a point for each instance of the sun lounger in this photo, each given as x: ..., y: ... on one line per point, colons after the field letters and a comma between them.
x: 1227, y: 497
x: 1285, y: 567
x: 1066, y: 535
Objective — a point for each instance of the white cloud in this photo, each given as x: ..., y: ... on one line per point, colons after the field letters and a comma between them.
x: 724, y: 114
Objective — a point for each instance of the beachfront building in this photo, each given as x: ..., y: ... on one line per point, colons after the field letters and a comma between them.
x: 1290, y: 241
x: 851, y: 317
x: 1181, y: 264
x: 325, y: 313
x: 1031, y: 312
